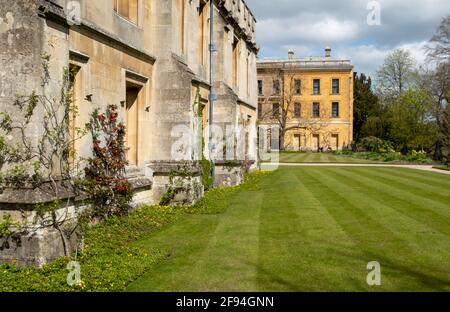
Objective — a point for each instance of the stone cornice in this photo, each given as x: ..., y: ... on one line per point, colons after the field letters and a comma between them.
x: 304, y: 65
x: 243, y: 33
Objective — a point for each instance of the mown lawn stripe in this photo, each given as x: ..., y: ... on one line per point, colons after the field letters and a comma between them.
x: 425, y: 196
x: 416, y: 186
x: 417, y: 234
x: 403, y: 201
x: 438, y: 181
x: 384, y: 243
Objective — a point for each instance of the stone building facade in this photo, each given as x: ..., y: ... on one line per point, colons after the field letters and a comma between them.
x: 152, y: 59
x: 316, y: 97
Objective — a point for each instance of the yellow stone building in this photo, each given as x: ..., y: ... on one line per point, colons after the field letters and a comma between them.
x: 309, y: 102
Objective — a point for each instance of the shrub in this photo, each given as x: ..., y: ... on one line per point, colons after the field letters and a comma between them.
x: 417, y: 156
x: 206, y: 173
x: 373, y: 144
x: 108, y: 190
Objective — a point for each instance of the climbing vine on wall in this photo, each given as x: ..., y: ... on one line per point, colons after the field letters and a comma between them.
x: 45, y: 159
x: 38, y: 154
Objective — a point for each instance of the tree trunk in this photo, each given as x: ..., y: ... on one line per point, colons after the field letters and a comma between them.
x: 438, y: 151
x: 282, y: 147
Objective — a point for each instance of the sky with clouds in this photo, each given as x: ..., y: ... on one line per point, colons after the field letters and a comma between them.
x: 308, y: 26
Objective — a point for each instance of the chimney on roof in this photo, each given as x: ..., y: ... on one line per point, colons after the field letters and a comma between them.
x: 327, y: 52
x: 291, y: 54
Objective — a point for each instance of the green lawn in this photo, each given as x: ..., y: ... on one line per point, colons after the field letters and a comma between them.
x: 299, y: 157
x: 312, y: 229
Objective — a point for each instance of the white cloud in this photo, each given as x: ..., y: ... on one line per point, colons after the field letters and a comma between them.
x: 306, y: 28
x: 417, y: 50
x: 368, y: 58
x: 309, y: 26
x: 365, y: 58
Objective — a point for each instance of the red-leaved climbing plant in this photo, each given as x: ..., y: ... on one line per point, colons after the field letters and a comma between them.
x: 108, y: 190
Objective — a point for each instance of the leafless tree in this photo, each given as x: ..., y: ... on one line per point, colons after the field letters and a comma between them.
x: 436, y: 83
x: 439, y: 46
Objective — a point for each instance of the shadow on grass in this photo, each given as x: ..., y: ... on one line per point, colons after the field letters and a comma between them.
x: 428, y: 281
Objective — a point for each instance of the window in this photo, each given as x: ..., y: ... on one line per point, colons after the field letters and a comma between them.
x: 316, y: 86
x: 297, y: 110
x: 297, y: 86
x: 316, y: 110
x: 259, y: 110
x: 335, y: 110
x: 201, y: 32
x: 276, y: 87
x: 275, y: 110
x: 235, y: 61
x: 76, y: 78
x: 335, y: 86
x: 127, y: 9
x: 248, y: 73
x: 260, y: 87
x: 182, y: 21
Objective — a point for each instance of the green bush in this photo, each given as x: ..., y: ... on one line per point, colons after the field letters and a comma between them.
x: 373, y: 144
x: 206, y: 173
x: 417, y: 156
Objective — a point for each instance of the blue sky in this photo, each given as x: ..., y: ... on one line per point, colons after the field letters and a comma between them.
x: 308, y: 26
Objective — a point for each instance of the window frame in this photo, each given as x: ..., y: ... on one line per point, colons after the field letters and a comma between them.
x: 314, y: 115
x: 235, y: 61
x: 297, y: 89
x: 116, y: 10
x: 314, y: 87
x: 333, y: 115
x: 275, y: 113
x: 278, y: 83
x: 333, y: 86
x: 297, y: 110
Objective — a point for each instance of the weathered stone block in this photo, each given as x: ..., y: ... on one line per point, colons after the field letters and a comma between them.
x: 228, y: 173
x: 184, y: 177
x: 40, y: 246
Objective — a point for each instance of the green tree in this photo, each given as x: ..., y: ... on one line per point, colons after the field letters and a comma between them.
x: 410, y: 125
x: 378, y: 124
x: 397, y: 74
x: 366, y: 108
